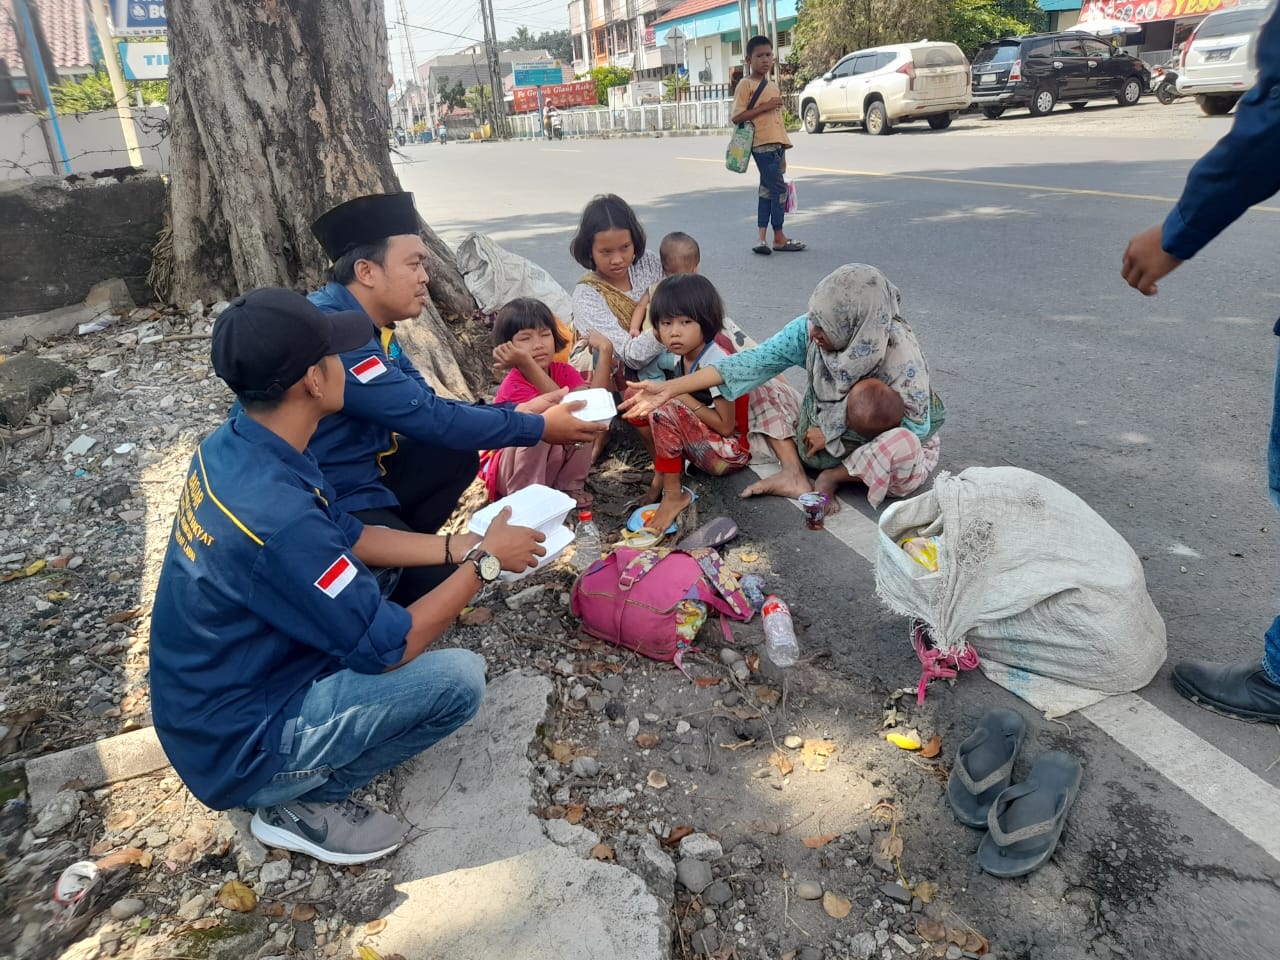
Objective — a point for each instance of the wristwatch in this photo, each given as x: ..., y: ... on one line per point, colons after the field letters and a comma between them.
x: 488, y: 567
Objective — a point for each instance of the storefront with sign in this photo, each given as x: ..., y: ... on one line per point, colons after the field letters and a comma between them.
x: 1164, y: 25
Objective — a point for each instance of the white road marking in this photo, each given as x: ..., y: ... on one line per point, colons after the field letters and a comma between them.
x: 1218, y: 783
x: 1206, y: 774
x: 993, y: 184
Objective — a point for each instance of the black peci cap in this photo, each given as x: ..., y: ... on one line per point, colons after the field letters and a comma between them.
x: 265, y: 341
x: 365, y: 220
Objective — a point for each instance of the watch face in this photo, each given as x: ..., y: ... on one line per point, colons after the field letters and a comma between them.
x: 490, y: 567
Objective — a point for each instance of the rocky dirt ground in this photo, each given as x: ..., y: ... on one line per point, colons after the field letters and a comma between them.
x: 792, y: 828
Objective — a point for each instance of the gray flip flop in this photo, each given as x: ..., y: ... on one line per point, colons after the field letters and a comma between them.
x: 1026, y: 821
x: 984, y: 765
x: 713, y: 533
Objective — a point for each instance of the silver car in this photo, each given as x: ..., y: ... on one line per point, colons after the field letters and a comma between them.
x: 894, y: 83
x: 1217, y: 60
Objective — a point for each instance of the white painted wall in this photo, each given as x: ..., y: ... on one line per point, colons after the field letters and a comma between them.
x: 94, y: 141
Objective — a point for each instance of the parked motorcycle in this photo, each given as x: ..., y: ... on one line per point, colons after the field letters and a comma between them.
x: 1164, y: 81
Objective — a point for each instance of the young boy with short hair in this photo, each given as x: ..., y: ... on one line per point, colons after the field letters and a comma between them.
x: 680, y: 253
x: 769, y: 146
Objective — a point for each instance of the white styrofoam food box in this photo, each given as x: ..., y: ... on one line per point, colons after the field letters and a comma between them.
x: 536, y: 506
x: 559, y: 538
x: 599, y: 404
x: 539, y: 507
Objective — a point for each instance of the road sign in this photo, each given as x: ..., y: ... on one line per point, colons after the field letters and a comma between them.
x: 130, y: 18
x: 145, y: 61
x: 537, y: 73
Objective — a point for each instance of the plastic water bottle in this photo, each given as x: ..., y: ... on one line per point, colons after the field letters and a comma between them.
x: 753, y: 589
x: 779, y: 633
x: 586, y: 542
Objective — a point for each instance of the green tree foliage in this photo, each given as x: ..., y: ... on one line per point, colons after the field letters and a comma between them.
x: 828, y: 29
x: 606, y: 77
x: 558, y: 43
x: 93, y: 92
x: 479, y: 101
x: 970, y: 23
x: 450, y: 98
x: 675, y: 87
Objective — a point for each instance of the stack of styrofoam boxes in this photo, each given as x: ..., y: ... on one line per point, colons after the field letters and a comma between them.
x: 539, y: 507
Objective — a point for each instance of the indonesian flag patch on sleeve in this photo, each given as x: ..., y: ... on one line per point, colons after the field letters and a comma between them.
x: 334, y: 580
x: 366, y: 370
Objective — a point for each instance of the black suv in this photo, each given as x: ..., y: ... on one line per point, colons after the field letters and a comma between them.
x: 1038, y: 70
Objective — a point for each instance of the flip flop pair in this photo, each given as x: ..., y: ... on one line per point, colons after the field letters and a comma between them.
x: 1024, y: 821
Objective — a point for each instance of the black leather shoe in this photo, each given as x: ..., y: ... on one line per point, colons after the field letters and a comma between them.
x: 1239, y: 690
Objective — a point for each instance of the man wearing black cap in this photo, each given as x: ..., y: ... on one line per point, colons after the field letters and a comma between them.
x: 280, y: 678
x: 398, y: 455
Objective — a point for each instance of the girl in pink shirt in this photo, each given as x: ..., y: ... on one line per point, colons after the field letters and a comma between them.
x: 525, y: 340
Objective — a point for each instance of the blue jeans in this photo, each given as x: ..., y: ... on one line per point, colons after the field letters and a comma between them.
x: 1271, y: 655
x: 353, y: 726
x: 773, y: 189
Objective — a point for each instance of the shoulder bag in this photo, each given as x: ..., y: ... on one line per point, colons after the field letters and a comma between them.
x: 738, y: 156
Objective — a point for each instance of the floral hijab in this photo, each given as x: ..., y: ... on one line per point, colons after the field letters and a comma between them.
x: 859, y: 311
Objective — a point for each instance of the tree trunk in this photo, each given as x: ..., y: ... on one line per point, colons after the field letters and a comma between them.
x: 279, y: 112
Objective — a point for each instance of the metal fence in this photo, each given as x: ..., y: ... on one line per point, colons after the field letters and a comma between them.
x: 651, y: 118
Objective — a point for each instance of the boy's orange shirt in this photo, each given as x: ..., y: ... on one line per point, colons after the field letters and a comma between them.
x: 769, y: 128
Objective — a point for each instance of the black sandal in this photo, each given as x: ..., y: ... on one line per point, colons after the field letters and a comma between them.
x: 762, y: 249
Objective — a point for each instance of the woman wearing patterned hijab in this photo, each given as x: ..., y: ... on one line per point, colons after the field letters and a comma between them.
x: 869, y: 412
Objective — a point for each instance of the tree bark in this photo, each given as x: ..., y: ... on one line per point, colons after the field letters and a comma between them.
x: 279, y: 112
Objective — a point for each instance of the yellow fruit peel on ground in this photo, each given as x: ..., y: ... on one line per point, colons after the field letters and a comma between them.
x: 905, y: 741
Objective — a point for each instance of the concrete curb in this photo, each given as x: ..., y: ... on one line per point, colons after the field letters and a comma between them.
x: 482, y: 879
x: 612, y: 135
x: 122, y: 757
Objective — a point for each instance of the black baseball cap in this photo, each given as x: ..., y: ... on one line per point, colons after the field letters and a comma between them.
x: 265, y: 341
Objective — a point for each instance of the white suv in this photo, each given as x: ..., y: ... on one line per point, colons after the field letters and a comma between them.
x: 1217, y: 63
x: 891, y: 84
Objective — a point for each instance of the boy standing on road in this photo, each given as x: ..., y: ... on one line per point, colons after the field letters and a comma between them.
x: 1238, y: 172
x: 769, y: 146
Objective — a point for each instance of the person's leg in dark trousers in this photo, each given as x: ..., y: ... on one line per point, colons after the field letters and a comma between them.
x: 1249, y: 689
x: 428, y: 481
x: 772, y: 195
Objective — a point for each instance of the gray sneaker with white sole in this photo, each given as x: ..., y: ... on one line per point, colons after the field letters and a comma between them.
x: 340, y: 833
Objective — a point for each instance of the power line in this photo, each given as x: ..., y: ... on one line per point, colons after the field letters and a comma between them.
x: 414, y: 26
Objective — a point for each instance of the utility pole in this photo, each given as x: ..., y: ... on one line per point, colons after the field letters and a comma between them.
x: 119, y: 93
x: 31, y: 48
x: 495, y: 68
x: 413, y: 66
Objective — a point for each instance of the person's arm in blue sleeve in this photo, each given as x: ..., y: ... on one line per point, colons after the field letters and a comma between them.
x: 413, y: 372
x: 396, y: 401
x: 308, y: 584
x: 1238, y: 172
x: 748, y: 369
x: 1242, y: 169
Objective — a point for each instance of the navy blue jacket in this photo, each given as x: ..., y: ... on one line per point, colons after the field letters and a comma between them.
x: 1242, y: 169
x: 386, y: 395
x: 259, y: 596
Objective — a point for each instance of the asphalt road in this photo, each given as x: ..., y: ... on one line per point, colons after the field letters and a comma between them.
x: 1005, y: 238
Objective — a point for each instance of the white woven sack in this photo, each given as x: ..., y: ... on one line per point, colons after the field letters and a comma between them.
x: 1052, y: 598
x: 496, y: 276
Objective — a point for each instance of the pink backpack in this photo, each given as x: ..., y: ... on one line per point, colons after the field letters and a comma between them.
x: 635, y: 598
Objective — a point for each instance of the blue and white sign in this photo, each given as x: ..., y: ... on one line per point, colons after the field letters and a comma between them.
x: 129, y: 18
x: 537, y: 73
x: 145, y: 61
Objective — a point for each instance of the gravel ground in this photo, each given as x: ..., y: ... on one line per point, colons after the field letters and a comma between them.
x: 771, y: 805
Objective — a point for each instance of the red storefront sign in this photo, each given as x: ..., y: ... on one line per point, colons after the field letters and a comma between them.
x: 1148, y: 11
x: 579, y: 93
